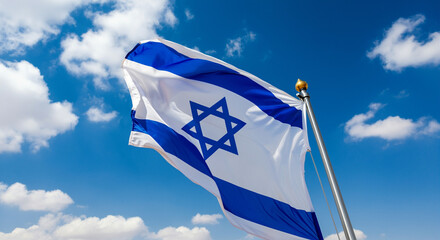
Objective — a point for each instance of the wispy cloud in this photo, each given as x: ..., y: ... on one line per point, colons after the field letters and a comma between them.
x: 210, y: 51
x: 33, y: 200
x: 96, y: 114
x: 235, y: 47
x: 188, y: 14
x: 206, y: 218
x: 390, y: 128
x: 399, y: 48
x: 402, y: 94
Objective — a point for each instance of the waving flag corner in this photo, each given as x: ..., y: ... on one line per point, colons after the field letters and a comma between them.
x: 235, y: 135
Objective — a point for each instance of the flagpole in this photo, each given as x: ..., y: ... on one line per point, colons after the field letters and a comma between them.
x: 301, y: 87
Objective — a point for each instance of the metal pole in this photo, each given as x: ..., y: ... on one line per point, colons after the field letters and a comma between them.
x: 301, y: 87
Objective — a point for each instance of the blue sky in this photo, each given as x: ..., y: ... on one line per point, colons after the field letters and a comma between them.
x: 373, y: 74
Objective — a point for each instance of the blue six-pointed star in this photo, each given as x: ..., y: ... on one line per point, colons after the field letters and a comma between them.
x: 219, y: 109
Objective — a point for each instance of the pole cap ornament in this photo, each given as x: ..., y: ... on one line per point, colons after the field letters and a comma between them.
x: 300, y: 84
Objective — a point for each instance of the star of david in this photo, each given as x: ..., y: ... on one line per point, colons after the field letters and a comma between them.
x: 210, y: 146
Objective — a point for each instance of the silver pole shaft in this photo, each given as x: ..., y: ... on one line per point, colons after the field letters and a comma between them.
x: 343, y: 214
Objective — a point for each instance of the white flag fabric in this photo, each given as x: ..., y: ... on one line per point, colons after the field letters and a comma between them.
x: 235, y: 135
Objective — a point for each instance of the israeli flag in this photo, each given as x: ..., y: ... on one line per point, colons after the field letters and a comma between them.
x: 235, y: 135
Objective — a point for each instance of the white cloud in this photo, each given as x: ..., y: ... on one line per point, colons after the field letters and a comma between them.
x: 400, y: 49
x: 26, y: 22
x: 234, y: 47
x: 95, y: 114
x: 188, y: 14
x: 34, y: 200
x: 431, y: 127
x: 29, y: 114
x: 210, y: 51
x: 206, y: 218
x: 40, y: 231
x: 248, y: 236
x: 390, y: 128
x: 67, y: 227
x: 359, y: 236
x: 402, y: 94
x: 182, y: 233
x: 108, y: 228
x: 100, y: 51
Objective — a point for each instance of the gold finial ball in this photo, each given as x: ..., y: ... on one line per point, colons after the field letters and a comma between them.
x: 300, y: 84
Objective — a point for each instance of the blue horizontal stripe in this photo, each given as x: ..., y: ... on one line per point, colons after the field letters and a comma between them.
x: 268, y: 211
x: 241, y: 202
x: 172, y: 142
x: 164, y: 58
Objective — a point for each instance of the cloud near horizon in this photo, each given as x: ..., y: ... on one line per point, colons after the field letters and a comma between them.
x: 67, y: 227
x: 59, y: 226
x: 358, y: 233
x: 182, y: 233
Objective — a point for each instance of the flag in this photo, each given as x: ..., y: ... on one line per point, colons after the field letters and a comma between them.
x: 235, y: 135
